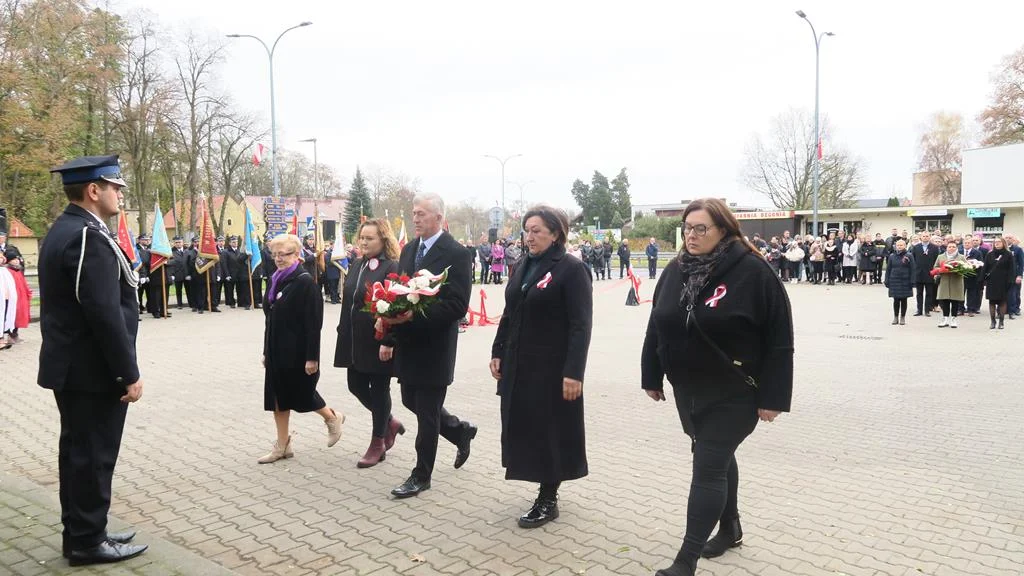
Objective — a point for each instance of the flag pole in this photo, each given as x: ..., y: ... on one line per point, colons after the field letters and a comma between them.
x: 163, y: 290
x: 252, y: 300
x: 209, y: 293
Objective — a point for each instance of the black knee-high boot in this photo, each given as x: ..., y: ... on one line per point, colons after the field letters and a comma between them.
x: 992, y: 316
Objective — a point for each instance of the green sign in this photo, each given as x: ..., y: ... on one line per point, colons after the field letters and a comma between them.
x: 984, y: 212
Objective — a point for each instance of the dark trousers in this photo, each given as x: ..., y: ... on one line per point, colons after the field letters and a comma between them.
x: 485, y: 271
x: 90, y: 439
x: 899, y: 307
x: 925, y: 294
x: 716, y: 435
x: 218, y: 289
x: 652, y: 267
x: 257, y: 291
x: 142, y: 296
x: 1013, y: 302
x: 876, y: 276
x: 818, y: 268
x: 950, y: 307
x: 973, y: 303
x: 241, y: 292
x: 179, y: 285
x: 155, y: 300
x: 623, y: 267
x: 332, y: 289
x: 374, y: 392
x: 199, y: 298
x: 431, y: 420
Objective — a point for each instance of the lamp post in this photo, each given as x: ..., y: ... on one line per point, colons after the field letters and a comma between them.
x: 817, y: 135
x: 502, y: 161
x: 273, y: 113
x: 316, y: 169
x: 597, y: 223
x: 522, y: 202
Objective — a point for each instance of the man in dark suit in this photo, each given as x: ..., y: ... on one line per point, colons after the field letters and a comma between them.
x: 89, y: 320
x: 142, y: 249
x: 925, y: 255
x: 1013, y: 245
x: 177, y: 273
x: 425, y: 354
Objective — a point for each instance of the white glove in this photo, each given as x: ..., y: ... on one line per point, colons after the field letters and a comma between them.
x: 188, y: 278
x: 218, y: 278
x: 228, y: 278
x: 172, y: 278
x: 143, y: 280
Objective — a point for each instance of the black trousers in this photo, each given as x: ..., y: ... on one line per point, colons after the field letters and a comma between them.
x: 332, y: 289
x: 652, y: 267
x: 818, y: 268
x: 876, y: 277
x: 716, y: 434
x: 973, y: 303
x: 623, y: 267
x: 925, y: 294
x: 218, y: 290
x: 257, y: 291
x: 155, y: 300
x: 241, y: 292
x: 179, y: 285
x: 142, y: 296
x: 374, y: 392
x: 950, y: 307
x: 90, y: 439
x: 485, y: 271
x: 899, y: 307
x: 199, y: 298
x: 431, y: 420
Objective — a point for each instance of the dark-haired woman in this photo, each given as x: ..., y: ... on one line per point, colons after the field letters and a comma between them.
x: 833, y: 259
x: 538, y: 358
x: 721, y: 331
x: 368, y: 361
x: 998, y: 280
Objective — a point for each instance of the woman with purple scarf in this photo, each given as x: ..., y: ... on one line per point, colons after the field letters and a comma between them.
x: 294, y: 314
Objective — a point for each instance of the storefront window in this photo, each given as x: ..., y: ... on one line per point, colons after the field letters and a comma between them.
x: 944, y: 224
x: 989, y: 225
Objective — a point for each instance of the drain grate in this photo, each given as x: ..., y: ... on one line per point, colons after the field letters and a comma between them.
x: 856, y: 337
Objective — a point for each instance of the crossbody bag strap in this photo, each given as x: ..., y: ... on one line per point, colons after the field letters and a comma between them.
x: 691, y: 320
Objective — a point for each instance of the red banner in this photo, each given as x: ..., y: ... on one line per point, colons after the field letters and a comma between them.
x: 207, y: 238
x: 124, y: 238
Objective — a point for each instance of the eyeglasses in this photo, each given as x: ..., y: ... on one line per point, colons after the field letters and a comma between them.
x: 278, y: 255
x: 699, y: 229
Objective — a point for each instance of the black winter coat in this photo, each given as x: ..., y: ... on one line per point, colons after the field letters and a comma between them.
x: 998, y: 274
x: 543, y: 337
x: 292, y: 338
x: 900, y: 276
x: 235, y: 264
x: 425, y: 354
x: 357, y: 346
x: 744, y: 309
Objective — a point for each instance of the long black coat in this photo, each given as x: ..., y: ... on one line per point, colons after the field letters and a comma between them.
x: 900, y: 278
x: 998, y: 273
x: 89, y: 316
x: 292, y: 338
x: 544, y: 336
x: 357, y: 346
x: 924, y: 262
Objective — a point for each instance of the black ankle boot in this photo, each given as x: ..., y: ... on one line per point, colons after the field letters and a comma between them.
x: 678, y: 568
x: 544, y: 510
x: 992, y: 326
x: 1000, y: 321
x: 730, y: 535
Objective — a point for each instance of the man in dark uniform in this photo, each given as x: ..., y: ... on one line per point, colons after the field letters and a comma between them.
x: 266, y: 269
x: 236, y: 267
x: 219, y: 274
x: 89, y: 320
x: 142, y: 249
x: 176, y: 272
x: 309, y: 258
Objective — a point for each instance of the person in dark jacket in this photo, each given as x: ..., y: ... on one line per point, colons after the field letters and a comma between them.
x: 332, y: 275
x: 89, y: 321
x: 597, y: 260
x: 176, y: 273
x: 236, y: 282
x: 652, y: 258
x: 142, y: 250
x: 294, y: 313
x: 608, y: 253
x: 367, y: 359
x: 879, y: 258
x: 483, y: 250
x: 972, y: 284
x: 866, y: 262
x: 721, y: 330
x: 539, y: 357
x: 925, y: 255
x: 900, y: 280
x: 624, y: 256
x: 998, y: 280
x: 833, y: 258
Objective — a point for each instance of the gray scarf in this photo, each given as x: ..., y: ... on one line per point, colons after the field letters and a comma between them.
x: 696, y: 269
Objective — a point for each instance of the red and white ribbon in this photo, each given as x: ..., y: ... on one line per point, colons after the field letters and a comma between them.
x: 544, y: 281
x: 720, y: 292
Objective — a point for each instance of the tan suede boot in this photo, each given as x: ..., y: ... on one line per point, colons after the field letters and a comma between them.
x: 334, y: 428
x: 278, y: 452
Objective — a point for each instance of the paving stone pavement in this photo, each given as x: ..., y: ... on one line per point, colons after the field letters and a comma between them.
x: 902, y: 457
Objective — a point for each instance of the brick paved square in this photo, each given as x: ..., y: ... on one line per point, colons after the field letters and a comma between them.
x: 901, y: 457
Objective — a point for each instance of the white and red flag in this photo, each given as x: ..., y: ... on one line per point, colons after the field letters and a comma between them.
x: 257, y: 156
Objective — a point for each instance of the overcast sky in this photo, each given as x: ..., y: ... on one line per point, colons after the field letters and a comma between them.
x: 671, y: 90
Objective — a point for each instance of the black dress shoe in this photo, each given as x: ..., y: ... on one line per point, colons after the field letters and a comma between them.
x: 105, y: 552
x: 215, y: 310
x: 730, y: 535
x: 467, y: 437
x: 544, y: 510
x: 411, y: 487
x: 121, y: 537
x: 918, y: 314
x: 677, y: 569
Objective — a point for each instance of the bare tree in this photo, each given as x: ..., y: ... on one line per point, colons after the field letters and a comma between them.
x: 1002, y: 122
x: 234, y: 136
x: 781, y: 167
x: 942, y: 141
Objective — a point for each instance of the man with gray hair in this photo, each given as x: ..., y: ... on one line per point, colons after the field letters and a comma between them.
x: 426, y: 345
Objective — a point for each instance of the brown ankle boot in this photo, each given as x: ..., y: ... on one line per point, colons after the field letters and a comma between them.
x: 394, y: 429
x: 374, y: 454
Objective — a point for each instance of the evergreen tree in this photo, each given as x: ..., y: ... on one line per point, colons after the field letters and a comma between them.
x: 620, y: 195
x: 359, y: 204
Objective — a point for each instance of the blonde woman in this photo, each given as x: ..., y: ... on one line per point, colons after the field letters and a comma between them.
x: 950, y: 293
x: 294, y: 314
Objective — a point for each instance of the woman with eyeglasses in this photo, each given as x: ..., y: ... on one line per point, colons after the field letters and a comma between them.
x: 998, y: 278
x: 721, y: 330
x: 294, y: 314
x: 369, y: 361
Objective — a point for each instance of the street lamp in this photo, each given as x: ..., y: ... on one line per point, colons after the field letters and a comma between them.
x: 273, y: 114
x: 522, y: 201
x: 597, y: 223
x: 817, y: 134
x: 502, y: 162
x: 316, y: 170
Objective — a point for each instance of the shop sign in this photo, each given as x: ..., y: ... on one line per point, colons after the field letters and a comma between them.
x: 984, y: 212
x: 930, y: 212
x: 773, y: 215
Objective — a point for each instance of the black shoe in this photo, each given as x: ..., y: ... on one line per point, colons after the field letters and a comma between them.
x: 918, y: 314
x: 215, y: 310
x: 200, y: 311
x: 927, y: 314
x: 467, y: 437
x: 993, y: 325
x: 248, y: 307
x: 411, y: 487
x: 105, y: 552
x: 118, y: 537
x: 677, y: 569
x: 730, y: 535
x: 259, y: 307
x: 544, y: 510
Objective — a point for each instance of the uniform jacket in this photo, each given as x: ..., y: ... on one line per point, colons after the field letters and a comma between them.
x: 235, y: 264
x: 89, y: 315
x: 743, y: 308
x: 425, y: 354
x: 544, y: 336
x: 177, y: 264
x: 356, y: 346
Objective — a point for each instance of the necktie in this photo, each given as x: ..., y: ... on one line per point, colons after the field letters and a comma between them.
x: 420, y: 254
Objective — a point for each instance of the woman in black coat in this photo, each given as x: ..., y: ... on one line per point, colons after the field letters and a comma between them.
x: 721, y: 330
x: 367, y: 359
x: 538, y: 358
x: 900, y: 280
x: 294, y: 314
x: 999, y: 278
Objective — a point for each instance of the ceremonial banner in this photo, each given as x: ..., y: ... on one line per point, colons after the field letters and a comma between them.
x: 402, y: 240
x: 126, y: 241
x: 207, y: 239
x: 160, y: 250
x: 339, y: 256
x: 251, y: 246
